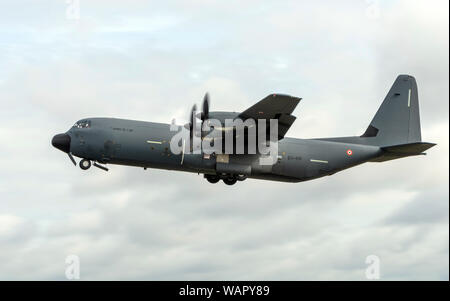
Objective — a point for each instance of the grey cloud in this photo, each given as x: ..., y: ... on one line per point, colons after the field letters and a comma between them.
x: 427, y: 207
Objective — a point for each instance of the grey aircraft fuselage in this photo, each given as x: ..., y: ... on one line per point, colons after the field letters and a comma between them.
x: 393, y: 133
x: 146, y: 144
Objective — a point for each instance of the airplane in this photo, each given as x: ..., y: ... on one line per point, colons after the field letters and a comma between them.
x: 393, y: 133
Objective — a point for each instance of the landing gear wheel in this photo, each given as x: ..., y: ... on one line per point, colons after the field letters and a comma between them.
x: 229, y: 181
x: 212, y: 179
x: 241, y: 177
x: 85, y: 164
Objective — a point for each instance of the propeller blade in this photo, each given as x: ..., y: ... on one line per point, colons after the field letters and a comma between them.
x: 72, y: 159
x: 191, y: 125
x: 205, y: 107
x: 191, y: 118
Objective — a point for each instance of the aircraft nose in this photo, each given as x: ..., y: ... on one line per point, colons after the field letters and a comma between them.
x: 62, y: 142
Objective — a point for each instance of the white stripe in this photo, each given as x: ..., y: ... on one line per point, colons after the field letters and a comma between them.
x: 154, y: 142
x: 182, y: 152
x: 319, y: 161
x: 409, y: 98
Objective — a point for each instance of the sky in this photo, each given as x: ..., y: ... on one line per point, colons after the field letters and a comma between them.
x: 61, y: 61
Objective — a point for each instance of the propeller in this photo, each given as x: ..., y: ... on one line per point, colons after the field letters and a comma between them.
x: 203, y: 115
x: 205, y: 107
x: 191, y: 117
x: 191, y: 125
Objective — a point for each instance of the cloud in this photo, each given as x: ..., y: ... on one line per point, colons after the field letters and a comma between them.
x: 429, y: 207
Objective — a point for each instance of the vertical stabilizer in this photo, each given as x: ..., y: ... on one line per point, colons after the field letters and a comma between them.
x: 397, y: 121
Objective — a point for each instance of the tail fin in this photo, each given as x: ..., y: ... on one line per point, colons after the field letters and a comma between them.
x: 397, y: 121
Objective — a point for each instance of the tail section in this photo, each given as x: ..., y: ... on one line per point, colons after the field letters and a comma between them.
x: 397, y: 121
x: 395, y: 128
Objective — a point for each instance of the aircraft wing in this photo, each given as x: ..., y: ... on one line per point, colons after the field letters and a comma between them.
x: 274, y: 106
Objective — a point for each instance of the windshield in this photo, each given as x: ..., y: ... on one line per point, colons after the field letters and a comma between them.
x: 82, y: 124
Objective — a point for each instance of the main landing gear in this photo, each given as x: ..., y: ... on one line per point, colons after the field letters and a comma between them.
x: 227, y: 179
x: 212, y: 179
x: 230, y: 180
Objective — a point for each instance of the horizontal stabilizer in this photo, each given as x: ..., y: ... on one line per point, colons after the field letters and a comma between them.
x: 403, y: 150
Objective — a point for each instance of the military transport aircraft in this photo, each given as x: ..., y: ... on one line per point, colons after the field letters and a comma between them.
x: 393, y: 133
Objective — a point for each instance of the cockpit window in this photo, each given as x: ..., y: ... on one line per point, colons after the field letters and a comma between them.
x: 82, y: 124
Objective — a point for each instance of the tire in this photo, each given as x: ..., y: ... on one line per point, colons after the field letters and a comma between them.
x: 230, y: 181
x: 85, y: 164
x: 212, y: 179
x: 241, y: 177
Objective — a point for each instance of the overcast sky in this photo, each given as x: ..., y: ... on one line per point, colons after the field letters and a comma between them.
x: 151, y: 61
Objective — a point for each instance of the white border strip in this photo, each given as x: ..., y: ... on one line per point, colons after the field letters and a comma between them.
x: 182, y: 151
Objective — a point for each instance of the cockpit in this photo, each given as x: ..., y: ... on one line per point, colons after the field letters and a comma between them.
x: 82, y: 124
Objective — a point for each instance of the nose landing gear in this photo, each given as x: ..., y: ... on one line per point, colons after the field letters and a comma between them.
x: 85, y: 164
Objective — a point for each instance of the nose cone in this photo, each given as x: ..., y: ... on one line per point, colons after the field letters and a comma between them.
x: 62, y: 142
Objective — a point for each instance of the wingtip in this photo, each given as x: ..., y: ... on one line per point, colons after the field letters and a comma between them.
x: 284, y: 95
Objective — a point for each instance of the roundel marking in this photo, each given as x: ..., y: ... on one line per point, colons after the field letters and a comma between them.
x: 349, y: 152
